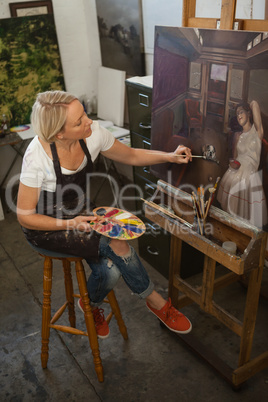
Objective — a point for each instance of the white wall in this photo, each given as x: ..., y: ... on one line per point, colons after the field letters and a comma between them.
x: 156, y: 12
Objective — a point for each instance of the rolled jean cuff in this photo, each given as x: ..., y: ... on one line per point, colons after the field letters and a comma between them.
x: 147, y: 291
x: 92, y: 304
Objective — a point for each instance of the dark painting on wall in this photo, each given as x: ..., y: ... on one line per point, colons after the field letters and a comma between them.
x: 210, y: 93
x: 29, y: 63
x: 121, y: 38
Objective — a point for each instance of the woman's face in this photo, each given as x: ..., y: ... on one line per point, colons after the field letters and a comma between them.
x: 242, y: 116
x: 78, y: 125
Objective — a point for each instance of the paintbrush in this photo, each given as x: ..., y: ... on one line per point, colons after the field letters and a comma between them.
x: 192, y: 156
x: 202, y: 201
x: 153, y: 204
x: 209, y: 202
x: 196, y: 214
x: 215, y: 186
x: 216, y: 183
x: 197, y: 204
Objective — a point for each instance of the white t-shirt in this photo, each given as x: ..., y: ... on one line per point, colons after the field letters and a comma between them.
x: 38, y: 170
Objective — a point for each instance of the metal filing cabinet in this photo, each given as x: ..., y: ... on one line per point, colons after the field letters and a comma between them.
x: 154, y: 245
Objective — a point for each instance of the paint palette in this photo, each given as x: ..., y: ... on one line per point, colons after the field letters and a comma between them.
x: 117, y: 223
x: 17, y: 129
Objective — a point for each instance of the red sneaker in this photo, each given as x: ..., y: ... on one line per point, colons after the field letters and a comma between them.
x: 101, y: 324
x: 172, y: 318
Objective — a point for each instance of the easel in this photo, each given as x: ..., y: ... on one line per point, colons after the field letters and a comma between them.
x: 250, y: 242
x: 227, y: 19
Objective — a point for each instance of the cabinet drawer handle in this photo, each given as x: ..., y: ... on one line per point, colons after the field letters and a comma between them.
x: 148, y: 187
x: 152, y: 251
x: 154, y: 229
x: 146, y: 144
x: 146, y: 169
x: 147, y: 127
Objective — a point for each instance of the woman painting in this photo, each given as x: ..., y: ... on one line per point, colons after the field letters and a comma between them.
x: 240, y: 190
x: 54, y: 211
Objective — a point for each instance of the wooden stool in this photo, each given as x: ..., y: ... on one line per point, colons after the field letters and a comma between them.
x: 48, y: 322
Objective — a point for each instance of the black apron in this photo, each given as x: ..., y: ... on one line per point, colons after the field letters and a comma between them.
x: 69, y: 200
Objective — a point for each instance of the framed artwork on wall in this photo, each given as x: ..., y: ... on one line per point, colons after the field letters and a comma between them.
x: 23, y: 9
x: 121, y: 35
x: 29, y: 63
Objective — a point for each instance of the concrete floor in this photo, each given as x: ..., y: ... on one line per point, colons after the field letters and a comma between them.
x: 153, y: 365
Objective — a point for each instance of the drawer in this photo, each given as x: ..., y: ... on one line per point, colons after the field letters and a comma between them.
x: 139, y: 108
x: 154, y: 247
x: 137, y: 141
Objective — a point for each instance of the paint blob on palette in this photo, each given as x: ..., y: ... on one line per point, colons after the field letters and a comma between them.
x: 117, y: 223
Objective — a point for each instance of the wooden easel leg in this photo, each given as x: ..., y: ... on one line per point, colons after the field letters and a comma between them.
x: 91, y: 330
x: 250, y: 314
x: 251, y: 307
x: 69, y: 291
x: 208, y: 284
x: 188, y: 11
x: 46, y: 310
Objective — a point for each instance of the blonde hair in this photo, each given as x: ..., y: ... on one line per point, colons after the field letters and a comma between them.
x: 49, y: 113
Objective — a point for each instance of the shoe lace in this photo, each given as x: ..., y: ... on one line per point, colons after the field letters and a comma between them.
x: 98, y: 315
x: 171, y: 312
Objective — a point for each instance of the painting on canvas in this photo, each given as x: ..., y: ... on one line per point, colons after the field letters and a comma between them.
x: 30, y: 63
x: 210, y: 93
x: 121, y: 39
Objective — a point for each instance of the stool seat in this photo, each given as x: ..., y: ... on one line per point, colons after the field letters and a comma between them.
x: 50, y: 322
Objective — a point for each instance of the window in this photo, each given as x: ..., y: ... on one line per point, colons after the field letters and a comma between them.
x: 195, y: 76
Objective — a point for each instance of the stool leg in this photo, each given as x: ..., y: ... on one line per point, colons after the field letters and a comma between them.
x: 117, y: 313
x: 46, y: 310
x: 69, y: 291
x: 91, y: 330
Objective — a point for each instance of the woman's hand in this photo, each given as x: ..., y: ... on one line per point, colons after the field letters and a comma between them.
x: 182, y: 154
x: 234, y: 164
x: 81, y: 223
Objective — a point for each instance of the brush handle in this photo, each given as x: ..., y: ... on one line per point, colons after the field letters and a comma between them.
x: 196, y: 156
x: 156, y: 206
x: 192, y: 156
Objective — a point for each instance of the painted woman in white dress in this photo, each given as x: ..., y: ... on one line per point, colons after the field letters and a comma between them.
x: 240, y: 191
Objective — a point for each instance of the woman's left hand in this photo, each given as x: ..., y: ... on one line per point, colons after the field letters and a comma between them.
x: 81, y: 223
x: 182, y: 154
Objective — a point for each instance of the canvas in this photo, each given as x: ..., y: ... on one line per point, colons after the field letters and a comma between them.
x: 121, y: 39
x: 29, y: 63
x: 200, y: 77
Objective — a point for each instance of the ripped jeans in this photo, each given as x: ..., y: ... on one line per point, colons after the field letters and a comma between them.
x: 110, y: 267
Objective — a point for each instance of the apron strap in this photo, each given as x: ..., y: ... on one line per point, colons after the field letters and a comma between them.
x: 86, y: 151
x: 56, y: 162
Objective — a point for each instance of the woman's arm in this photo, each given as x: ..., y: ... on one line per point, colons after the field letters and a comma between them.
x: 140, y: 157
x: 28, y: 218
x: 256, y: 112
